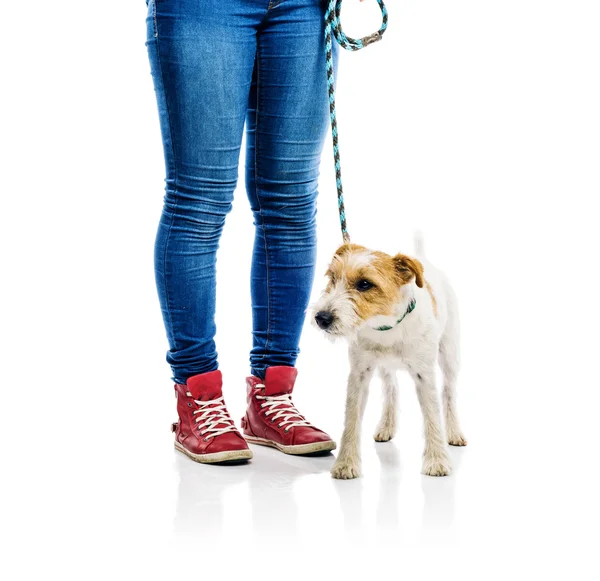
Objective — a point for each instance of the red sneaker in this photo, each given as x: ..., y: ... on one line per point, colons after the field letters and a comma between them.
x: 273, y: 420
x: 205, y: 431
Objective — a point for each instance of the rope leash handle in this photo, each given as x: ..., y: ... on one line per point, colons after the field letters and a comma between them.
x: 333, y: 28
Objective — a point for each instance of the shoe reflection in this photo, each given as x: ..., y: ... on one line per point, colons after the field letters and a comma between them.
x: 208, y: 507
x: 200, y: 494
x: 271, y: 488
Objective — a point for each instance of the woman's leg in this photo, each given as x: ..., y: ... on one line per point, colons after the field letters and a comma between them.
x: 286, y: 127
x: 202, y: 56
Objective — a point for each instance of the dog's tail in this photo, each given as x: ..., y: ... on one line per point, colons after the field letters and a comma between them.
x: 419, y: 244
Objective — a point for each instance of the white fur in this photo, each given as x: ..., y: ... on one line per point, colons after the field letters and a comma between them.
x: 420, y: 341
x: 359, y: 259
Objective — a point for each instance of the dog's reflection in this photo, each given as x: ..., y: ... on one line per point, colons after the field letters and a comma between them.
x: 388, y: 516
x: 439, y: 496
x: 351, y: 494
x: 438, y: 508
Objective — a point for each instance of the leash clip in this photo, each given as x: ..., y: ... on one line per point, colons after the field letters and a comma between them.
x: 367, y: 40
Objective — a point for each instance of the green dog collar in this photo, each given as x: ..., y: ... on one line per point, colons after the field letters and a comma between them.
x: 410, y: 309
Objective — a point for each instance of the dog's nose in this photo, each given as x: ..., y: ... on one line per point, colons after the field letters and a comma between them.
x: 324, y: 319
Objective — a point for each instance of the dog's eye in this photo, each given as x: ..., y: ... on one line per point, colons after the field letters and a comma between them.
x: 364, y: 285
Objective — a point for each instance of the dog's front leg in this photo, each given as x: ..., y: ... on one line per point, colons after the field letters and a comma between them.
x: 347, y: 464
x: 436, y: 461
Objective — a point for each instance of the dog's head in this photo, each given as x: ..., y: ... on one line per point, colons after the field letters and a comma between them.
x: 362, y: 284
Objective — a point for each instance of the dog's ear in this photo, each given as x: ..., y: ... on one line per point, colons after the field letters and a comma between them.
x: 407, y: 268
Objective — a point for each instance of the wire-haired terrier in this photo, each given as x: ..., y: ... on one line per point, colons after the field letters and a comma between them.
x: 397, y: 312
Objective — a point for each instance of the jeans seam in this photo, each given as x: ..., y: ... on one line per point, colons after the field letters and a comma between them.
x: 165, y: 285
x: 260, y: 210
x: 154, y: 18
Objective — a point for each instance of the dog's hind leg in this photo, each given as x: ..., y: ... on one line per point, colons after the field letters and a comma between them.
x: 449, y: 363
x: 386, y: 429
x: 436, y: 461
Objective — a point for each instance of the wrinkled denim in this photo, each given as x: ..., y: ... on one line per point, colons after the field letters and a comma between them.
x: 219, y: 66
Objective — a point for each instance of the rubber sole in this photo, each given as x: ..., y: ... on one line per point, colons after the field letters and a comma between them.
x: 300, y: 449
x: 227, y: 457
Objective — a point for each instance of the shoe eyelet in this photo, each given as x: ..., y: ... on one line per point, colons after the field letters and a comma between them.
x: 206, y: 439
x: 272, y: 420
x: 286, y: 431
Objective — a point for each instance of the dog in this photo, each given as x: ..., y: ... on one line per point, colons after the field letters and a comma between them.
x: 397, y: 312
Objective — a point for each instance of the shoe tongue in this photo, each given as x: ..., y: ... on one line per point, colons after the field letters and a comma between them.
x: 279, y: 379
x: 206, y: 386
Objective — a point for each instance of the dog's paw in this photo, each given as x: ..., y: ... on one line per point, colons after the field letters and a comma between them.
x: 436, y: 464
x: 346, y: 470
x: 384, y: 433
x: 457, y: 439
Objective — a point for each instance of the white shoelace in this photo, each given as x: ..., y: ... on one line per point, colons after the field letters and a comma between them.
x: 285, y: 413
x: 212, y: 413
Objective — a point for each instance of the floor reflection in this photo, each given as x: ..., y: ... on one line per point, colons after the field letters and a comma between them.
x: 271, y: 485
x: 350, y: 495
x: 388, y: 516
x: 200, y: 493
x: 268, y: 479
x: 260, y: 497
x: 439, y: 497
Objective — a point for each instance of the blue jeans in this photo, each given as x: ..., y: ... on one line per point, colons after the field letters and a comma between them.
x: 217, y: 65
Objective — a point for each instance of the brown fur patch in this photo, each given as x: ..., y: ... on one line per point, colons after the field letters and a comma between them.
x: 352, y: 263
x: 407, y: 268
x: 433, y: 301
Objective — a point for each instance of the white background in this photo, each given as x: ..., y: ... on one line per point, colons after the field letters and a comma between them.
x: 475, y: 121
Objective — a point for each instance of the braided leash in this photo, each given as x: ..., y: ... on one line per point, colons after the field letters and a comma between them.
x: 333, y: 27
